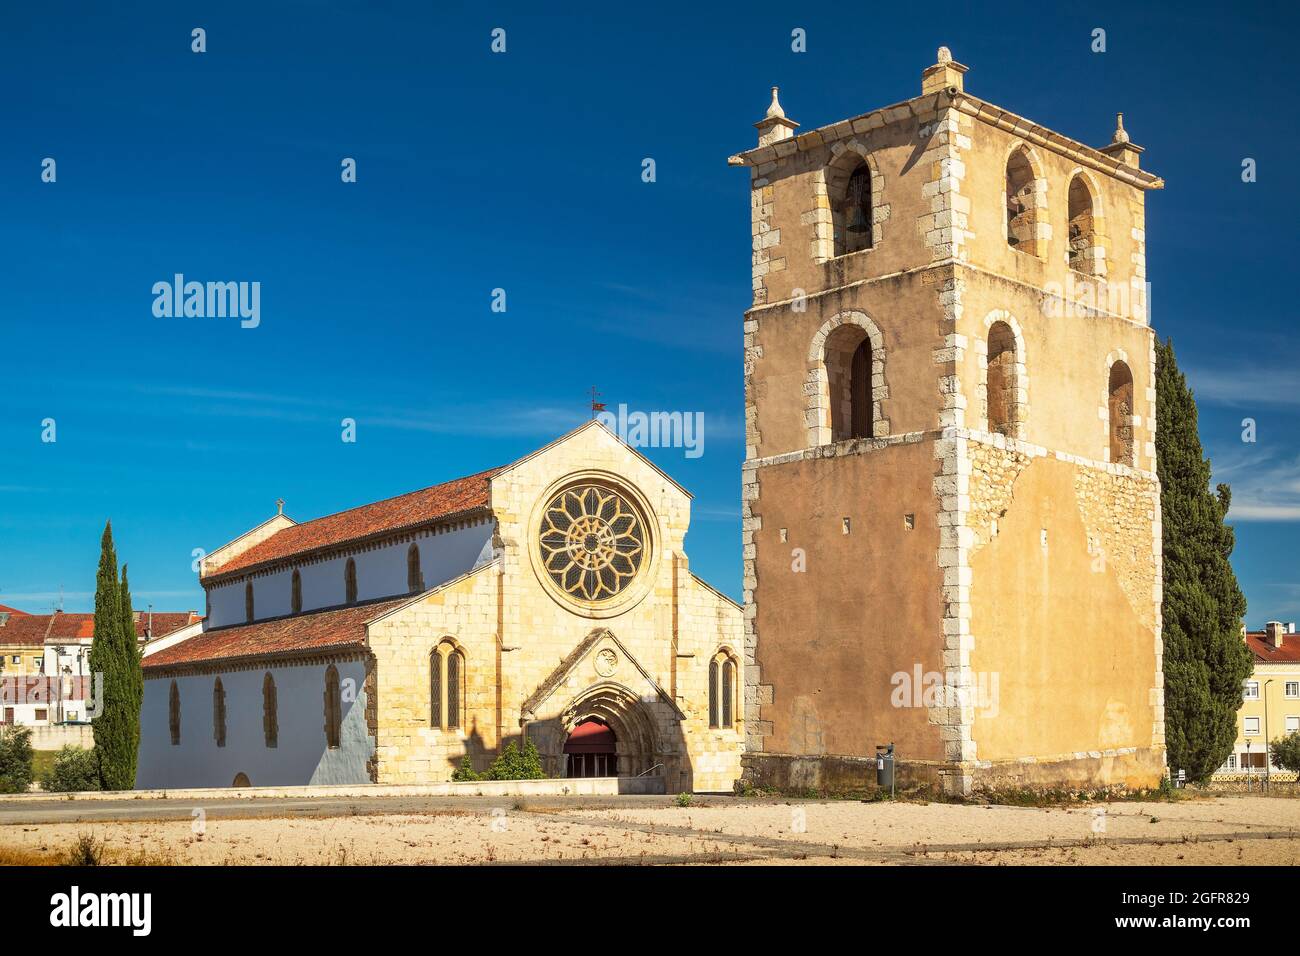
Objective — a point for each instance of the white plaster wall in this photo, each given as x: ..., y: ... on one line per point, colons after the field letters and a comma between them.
x: 381, y: 572
x: 301, y: 756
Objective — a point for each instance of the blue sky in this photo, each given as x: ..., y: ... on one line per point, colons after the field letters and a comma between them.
x: 522, y: 171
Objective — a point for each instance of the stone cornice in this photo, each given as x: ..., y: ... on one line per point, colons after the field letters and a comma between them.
x: 259, y: 662
x: 1084, y: 311
x: 972, y: 106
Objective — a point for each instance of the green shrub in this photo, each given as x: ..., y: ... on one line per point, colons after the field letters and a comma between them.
x: 685, y: 799
x: 74, y: 769
x: 15, y: 759
x: 1285, y: 751
x: 466, y: 771
x: 515, y: 765
x: 87, y: 851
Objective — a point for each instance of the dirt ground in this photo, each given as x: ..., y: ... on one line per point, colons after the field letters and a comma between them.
x: 1220, y: 830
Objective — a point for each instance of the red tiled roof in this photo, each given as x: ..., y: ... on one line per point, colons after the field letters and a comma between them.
x: 322, y: 630
x: 63, y: 628
x: 391, y: 514
x: 11, y: 610
x: 1266, y: 653
x: 28, y: 629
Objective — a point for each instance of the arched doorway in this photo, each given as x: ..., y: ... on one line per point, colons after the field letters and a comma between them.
x: 241, y: 780
x: 591, y: 750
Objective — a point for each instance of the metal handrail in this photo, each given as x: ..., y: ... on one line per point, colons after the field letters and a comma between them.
x: 644, y: 772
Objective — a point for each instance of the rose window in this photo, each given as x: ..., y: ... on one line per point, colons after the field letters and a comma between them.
x: 592, y: 542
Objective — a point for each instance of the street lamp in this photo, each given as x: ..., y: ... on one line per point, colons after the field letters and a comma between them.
x: 1267, y: 760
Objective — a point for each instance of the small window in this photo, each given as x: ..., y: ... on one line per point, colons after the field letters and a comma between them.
x: 849, y: 364
x: 1292, y: 724
x: 446, y: 687
x: 1120, y: 409
x: 42, y: 715
x: 174, y: 713
x: 1293, y: 688
x: 1022, y: 204
x: 1250, y: 726
x: 219, y: 713
x: 333, y: 708
x: 728, y: 694
x: 1002, y: 407
x: 1083, y: 249
x: 713, y: 693
x: 1232, y: 761
x: 1252, y: 690
x: 851, y: 216
x: 350, y: 582
x: 295, y: 600
x: 248, y: 601
x: 270, y: 711
x: 414, y: 576
x: 722, y: 690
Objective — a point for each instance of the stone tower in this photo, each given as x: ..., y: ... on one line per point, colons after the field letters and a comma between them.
x: 951, y: 511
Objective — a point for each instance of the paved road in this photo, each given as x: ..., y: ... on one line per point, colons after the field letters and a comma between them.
x: 73, y: 811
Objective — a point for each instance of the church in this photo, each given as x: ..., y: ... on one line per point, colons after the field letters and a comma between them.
x: 951, y: 536
x: 549, y: 600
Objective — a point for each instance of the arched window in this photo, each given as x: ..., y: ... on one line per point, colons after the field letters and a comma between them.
x: 713, y: 692
x: 1120, y: 408
x: 1022, y: 204
x: 446, y: 687
x: 849, y: 363
x: 219, y: 713
x: 296, y: 592
x: 333, y: 708
x: 1002, y: 409
x: 174, y: 713
x: 722, y: 690
x: 270, y: 711
x: 851, y: 213
x: 350, y: 582
x: 1083, y: 250
x: 728, y: 691
x: 248, y: 601
x: 414, y: 576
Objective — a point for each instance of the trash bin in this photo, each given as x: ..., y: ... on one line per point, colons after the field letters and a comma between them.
x: 885, y: 766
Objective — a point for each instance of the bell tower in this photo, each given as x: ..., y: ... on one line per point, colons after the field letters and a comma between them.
x: 951, y: 512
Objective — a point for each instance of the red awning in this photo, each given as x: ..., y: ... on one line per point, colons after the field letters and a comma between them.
x: 590, y: 737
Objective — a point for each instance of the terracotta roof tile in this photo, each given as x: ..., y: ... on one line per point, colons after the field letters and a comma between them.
x: 390, y: 514
x: 29, y: 629
x: 1266, y: 653
x: 64, y: 628
x: 321, y: 630
x: 6, y: 609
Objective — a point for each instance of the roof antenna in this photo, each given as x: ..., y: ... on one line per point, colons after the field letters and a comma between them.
x: 595, y: 405
x: 60, y: 597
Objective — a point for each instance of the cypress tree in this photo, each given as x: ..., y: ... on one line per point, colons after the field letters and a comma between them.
x: 132, y: 684
x: 119, y: 711
x: 1205, y: 659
